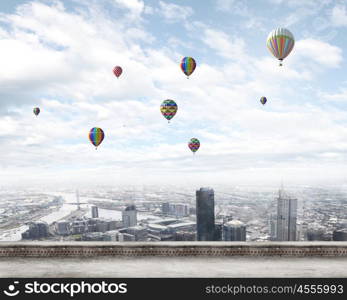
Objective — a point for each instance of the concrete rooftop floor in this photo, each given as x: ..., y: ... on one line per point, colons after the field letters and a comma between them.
x: 174, y: 267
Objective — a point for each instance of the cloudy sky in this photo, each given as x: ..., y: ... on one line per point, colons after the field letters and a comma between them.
x: 59, y: 56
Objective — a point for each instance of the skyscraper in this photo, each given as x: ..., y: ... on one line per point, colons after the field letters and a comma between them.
x: 273, y: 227
x: 165, y: 208
x: 205, y: 214
x: 95, y: 212
x: 129, y: 216
x: 286, y: 217
x: 234, y: 231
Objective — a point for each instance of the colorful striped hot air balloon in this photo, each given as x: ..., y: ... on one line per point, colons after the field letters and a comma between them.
x: 96, y: 136
x: 280, y: 42
x: 194, y: 145
x: 263, y: 100
x: 188, y: 65
x: 117, y: 71
x: 168, y: 109
x: 36, y: 111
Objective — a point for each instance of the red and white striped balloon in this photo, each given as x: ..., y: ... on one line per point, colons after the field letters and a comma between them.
x: 117, y: 70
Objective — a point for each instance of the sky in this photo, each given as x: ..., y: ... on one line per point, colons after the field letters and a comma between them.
x: 59, y: 56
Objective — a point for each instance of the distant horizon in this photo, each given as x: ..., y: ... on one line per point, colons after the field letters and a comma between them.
x: 275, y: 185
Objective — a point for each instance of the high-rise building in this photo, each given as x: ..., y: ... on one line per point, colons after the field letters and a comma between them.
x: 178, y: 210
x: 79, y: 226
x: 340, y: 235
x: 218, y: 230
x: 286, y: 217
x: 62, y: 228
x: 95, y: 212
x: 273, y: 227
x: 205, y: 214
x: 129, y: 216
x: 234, y: 231
x: 165, y: 208
x: 36, y: 230
x: 317, y: 234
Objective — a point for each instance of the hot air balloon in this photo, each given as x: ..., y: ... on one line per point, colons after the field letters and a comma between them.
x: 168, y: 109
x: 263, y: 100
x: 117, y: 71
x: 188, y: 65
x: 36, y: 111
x: 194, y: 145
x: 280, y: 42
x: 96, y: 135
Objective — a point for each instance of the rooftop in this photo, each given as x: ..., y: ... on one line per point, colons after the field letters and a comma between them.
x: 174, y: 267
x: 173, y: 259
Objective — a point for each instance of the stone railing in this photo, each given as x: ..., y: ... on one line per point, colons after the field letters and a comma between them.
x: 84, y: 249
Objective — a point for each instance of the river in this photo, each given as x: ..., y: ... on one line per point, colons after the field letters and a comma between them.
x: 15, y: 234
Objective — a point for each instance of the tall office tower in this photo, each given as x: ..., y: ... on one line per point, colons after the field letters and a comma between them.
x: 62, y: 228
x: 234, y: 231
x: 218, y: 230
x: 286, y: 217
x: 129, y: 216
x: 205, y: 214
x: 165, y: 208
x: 273, y: 227
x: 340, y: 235
x: 95, y: 212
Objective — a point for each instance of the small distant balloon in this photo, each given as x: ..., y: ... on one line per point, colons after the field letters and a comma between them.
x: 117, y: 71
x: 168, y: 109
x: 263, y: 100
x: 36, y: 111
x: 280, y: 42
x: 96, y: 136
x: 194, y: 144
x: 188, y: 65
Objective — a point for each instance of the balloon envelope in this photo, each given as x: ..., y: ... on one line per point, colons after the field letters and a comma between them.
x: 188, y: 65
x: 263, y: 100
x: 36, y: 111
x: 96, y: 136
x: 168, y: 109
x: 117, y: 71
x: 280, y: 42
x: 194, y: 144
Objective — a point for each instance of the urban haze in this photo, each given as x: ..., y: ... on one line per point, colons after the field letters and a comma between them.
x: 175, y: 213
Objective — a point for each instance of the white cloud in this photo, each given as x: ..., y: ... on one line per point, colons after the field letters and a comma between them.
x: 173, y: 12
x: 235, y: 6
x: 62, y: 61
x: 224, y: 45
x: 241, y: 8
x: 320, y: 52
x: 339, y: 15
x: 339, y: 96
x: 135, y: 7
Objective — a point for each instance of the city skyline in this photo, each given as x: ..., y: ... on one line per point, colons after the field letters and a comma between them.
x: 234, y: 214
x: 59, y: 56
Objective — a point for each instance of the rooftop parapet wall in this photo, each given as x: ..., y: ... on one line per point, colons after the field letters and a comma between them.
x: 217, y: 249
